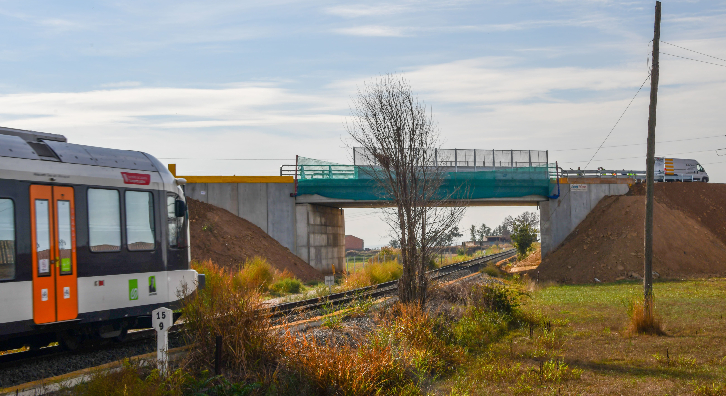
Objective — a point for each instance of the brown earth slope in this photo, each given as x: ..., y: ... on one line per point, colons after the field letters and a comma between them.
x: 689, y: 237
x: 228, y: 240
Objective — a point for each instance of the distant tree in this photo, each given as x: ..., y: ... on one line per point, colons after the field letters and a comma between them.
x: 508, y: 226
x: 531, y: 218
x: 524, y: 232
x: 504, y: 229
x: 394, y: 243
x: 472, y: 230
x: 482, y: 232
x: 448, y: 238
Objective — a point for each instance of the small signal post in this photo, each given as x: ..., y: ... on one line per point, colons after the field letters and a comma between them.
x: 161, y: 320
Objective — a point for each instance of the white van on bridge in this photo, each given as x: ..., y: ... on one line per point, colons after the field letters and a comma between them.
x: 669, y: 169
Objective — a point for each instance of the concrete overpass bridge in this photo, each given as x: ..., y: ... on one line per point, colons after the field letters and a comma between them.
x: 303, y: 208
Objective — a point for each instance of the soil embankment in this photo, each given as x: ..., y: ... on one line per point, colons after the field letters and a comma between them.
x: 689, y: 237
x: 229, y: 240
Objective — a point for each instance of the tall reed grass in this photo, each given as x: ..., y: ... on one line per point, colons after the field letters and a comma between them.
x: 372, y: 274
x: 231, y: 307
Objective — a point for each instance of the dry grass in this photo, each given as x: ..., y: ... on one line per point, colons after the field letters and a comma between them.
x: 372, y: 274
x: 257, y: 274
x: 344, y: 369
x: 644, y: 321
x: 229, y: 307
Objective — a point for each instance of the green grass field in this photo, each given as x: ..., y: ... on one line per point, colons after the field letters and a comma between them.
x: 590, y: 333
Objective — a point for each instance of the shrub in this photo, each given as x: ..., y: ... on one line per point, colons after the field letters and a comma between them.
x: 496, y: 298
x: 286, y: 286
x: 478, y: 327
x: 256, y: 273
x: 492, y: 271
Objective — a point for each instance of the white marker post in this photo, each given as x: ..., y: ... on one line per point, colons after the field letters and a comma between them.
x: 330, y: 281
x: 161, y: 320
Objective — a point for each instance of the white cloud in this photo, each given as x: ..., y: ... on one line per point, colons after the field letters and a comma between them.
x: 359, y: 10
x: 492, y: 102
x: 374, y: 31
x: 121, y: 84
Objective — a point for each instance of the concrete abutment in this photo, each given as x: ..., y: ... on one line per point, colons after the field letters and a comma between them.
x: 559, y: 217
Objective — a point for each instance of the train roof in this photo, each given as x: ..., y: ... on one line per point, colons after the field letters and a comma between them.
x: 19, y: 143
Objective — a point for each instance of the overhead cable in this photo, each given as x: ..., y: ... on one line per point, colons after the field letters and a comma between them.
x: 618, y: 121
x: 695, y: 60
x: 700, y: 53
x: 669, y: 155
x: 641, y: 144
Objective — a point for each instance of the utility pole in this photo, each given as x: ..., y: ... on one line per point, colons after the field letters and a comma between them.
x: 649, y: 162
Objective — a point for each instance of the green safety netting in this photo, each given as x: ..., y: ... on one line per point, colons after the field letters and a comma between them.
x: 310, y: 168
x: 354, y: 182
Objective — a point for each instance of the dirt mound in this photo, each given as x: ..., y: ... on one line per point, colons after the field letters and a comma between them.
x: 229, y: 240
x: 701, y: 201
x: 689, y: 237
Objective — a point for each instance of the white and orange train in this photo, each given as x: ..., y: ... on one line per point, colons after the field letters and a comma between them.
x: 91, y: 240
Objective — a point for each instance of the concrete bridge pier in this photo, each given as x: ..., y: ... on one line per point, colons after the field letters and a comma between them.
x: 320, y: 235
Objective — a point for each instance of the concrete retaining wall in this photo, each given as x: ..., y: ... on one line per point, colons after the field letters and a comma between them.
x: 559, y: 217
x: 321, y: 237
x: 266, y: 205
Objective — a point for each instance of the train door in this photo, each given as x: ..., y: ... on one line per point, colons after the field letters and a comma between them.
x: 55, y: 289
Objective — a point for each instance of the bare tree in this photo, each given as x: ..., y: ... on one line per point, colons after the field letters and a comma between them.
x: 396, y: 139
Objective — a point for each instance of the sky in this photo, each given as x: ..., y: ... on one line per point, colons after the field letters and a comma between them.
x: 240, y: 88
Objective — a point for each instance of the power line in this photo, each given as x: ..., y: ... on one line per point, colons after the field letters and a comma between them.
x: 669, y: 155
x: 695, y: 60
x: 618, y: 121
x: 700, y: 53
x: 641, y: 144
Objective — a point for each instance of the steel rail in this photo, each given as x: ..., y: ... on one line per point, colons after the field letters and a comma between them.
x: 381, y: 288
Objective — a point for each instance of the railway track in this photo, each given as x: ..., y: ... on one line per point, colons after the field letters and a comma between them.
x: 381, y: 289
x: 292, y: 309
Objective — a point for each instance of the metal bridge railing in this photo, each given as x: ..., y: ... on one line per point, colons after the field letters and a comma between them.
x: 309, y: 172
x: 304, y: 172
x: 620, y: 174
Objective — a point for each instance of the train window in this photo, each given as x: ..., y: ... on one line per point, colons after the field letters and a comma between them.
x: 177, y: 234
x: 7, y: 239
x: 104, y: 220
x: 42, y: 236
x: 139, y: 220
x: 65, y: 243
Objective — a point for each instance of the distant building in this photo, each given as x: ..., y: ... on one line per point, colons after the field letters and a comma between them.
x: 353, y: 243
x: 498, y: 238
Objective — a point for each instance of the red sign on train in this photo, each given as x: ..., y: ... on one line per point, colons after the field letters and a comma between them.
x: 136, y: 178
